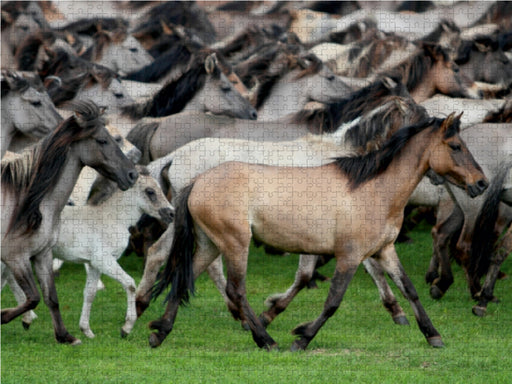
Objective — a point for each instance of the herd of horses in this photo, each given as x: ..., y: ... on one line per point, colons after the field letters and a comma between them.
x: 184, y: 131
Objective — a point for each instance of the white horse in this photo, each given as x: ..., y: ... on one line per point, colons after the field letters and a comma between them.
x: 26, y: 109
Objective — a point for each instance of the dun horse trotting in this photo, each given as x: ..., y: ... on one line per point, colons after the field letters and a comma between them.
x: 225, y: 207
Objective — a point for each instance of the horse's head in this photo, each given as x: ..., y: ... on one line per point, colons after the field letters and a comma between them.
x: 318, y: 82
x: 148, y: 197
x: 125, y: 54
x: 483, y: 59
x: 219, y: 95
x: 98, y: 149
x: 451, y: 159
x: 27, y: 105
x: 445, y: 75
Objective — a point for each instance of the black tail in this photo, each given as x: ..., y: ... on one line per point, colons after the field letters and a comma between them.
x: 484, y: 234
x: 178, y: 269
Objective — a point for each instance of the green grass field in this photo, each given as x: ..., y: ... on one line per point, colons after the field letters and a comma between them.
x: 360, y: 343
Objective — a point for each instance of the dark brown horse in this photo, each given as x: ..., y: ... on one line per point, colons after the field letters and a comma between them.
x: 358, y: 213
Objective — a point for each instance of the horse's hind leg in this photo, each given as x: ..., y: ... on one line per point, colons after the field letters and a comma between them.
x: 388, y: 259
x: 44, y: 272
x: 90, y: 289
x: 23, y: 287
x: 279, y: 302
x: 486, y: 295
x: 20, y: 297
x: 386, y: 294
x: 449, y: 223
x: 204, y: 255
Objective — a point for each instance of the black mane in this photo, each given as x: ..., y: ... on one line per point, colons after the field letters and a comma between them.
x: 361, y: 169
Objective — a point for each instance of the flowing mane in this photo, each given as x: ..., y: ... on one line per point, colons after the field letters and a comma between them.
x: 174, y: 96
x: 34, y: 174
x: 360, y: 169
x: 412, y: 71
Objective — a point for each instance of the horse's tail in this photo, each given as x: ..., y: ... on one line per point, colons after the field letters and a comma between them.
x: 141, y: 136
x: 484, y: 234
x: 178, y: 269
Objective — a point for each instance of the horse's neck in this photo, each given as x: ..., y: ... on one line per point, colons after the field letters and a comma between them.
x: 120, y: 209
x: 8, y: 128
x: 287, y: 97
x: 424, y: 90
x: 56, y: 200
x: 405, y: 172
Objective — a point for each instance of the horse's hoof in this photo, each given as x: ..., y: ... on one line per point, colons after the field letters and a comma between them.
x: 123, y: 334
x: 495, y: 300
x: 436, y: 342
x: 273, y: 347
x: 296, y: 347
x: 436, y: 293
x: 502, y: 276
x: 76, y: 342
x: 401, y: 320
x: 479, y: 311
x: 154, y: 341
x: 26, y: 325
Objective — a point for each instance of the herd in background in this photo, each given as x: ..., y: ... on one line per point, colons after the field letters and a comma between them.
x: 184, y: 87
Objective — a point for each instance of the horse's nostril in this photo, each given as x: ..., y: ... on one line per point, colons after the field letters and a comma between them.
x: 119, y: 95
x: 132, y: 176
x: 482, y: 184
x: 254, y: 115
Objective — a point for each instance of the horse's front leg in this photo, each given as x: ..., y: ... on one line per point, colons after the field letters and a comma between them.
x: 44, y: 271
x: 345, y: 270
x: 156, y: 256
x: 388, y: 259
x: 90, y: 289
x: 216, y: 273
x: 111, y: 268
x: 18, y: 273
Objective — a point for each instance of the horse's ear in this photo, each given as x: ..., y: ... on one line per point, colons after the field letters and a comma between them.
x: 210, y: 64
x: 389, y: 82
x: 482, y: 47
x: 166, y: 29
x: 448, y: 122
x: 433, y: 50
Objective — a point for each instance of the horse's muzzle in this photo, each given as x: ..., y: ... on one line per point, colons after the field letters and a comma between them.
x: 478, y: 188
x: 129, y: 180
x: 167, y: 215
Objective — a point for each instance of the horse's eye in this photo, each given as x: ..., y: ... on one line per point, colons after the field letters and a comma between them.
x: 118, y: 139
x: 133, y: 50
x: 101, y: 141
x: 330, y: 77
x: 455, y: 147
x: 36, y: 103
x: 225, y: 88
x: 150, y: 192
x: 456, y: 69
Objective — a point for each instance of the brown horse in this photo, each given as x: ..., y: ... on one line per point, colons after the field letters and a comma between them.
x: 352, y: 209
